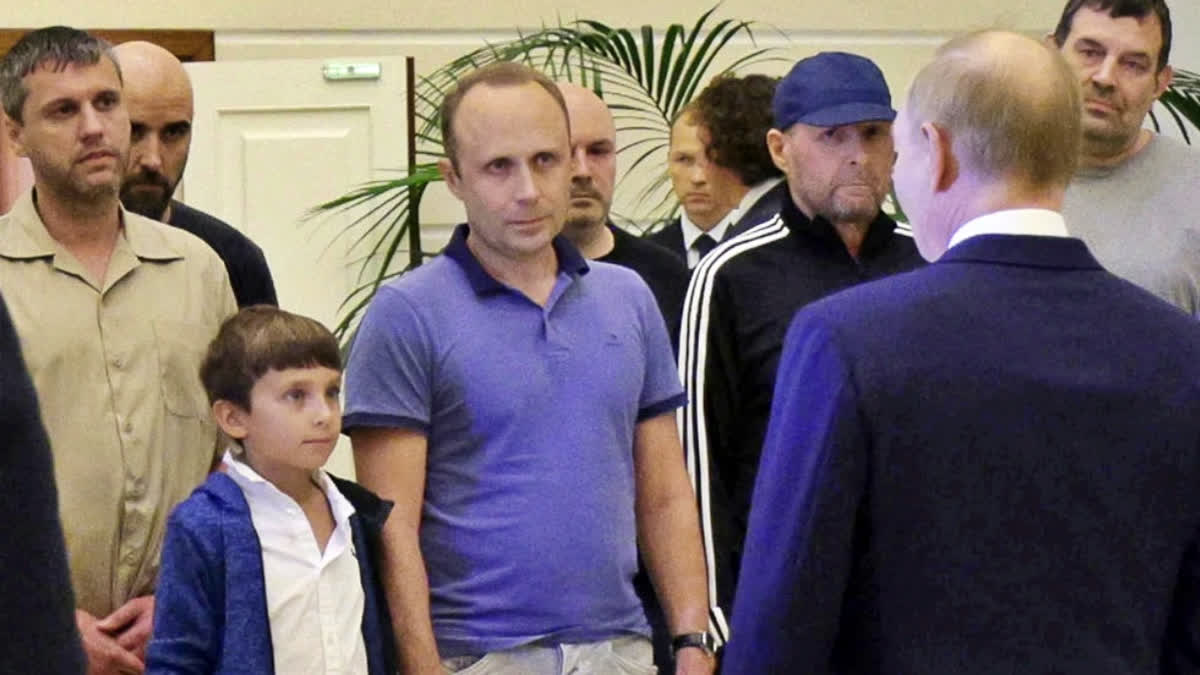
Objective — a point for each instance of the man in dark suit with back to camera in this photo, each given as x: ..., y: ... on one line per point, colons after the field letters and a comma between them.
x: 159, y: 95
x: 988, y: 465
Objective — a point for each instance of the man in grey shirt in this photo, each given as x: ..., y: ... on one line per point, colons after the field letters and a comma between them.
x: 1132, y: 198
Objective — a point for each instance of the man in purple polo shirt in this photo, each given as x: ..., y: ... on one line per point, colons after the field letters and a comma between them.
x: 517, y: 403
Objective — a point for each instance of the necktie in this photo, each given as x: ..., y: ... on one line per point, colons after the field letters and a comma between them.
x: 704, y: 244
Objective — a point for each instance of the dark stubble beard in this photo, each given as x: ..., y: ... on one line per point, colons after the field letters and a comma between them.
x: 147, y: 203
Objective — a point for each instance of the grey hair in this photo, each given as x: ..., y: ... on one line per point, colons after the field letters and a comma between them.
x: 54, y: 48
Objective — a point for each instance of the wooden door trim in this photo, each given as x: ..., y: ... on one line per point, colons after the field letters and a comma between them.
x: 186, y: 45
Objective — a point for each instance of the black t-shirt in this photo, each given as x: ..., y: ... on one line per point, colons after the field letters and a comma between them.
x: 244, y: 260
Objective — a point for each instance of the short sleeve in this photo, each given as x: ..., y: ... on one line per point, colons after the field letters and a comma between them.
x: 662, y: 390
x: 389, y: 373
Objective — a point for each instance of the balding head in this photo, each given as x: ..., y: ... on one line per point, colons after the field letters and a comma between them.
x: 993, y: 122
x: 594, y: 151
x: 158, y: 94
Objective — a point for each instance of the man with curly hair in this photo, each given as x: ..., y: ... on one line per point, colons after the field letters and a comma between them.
x: 720, y: 166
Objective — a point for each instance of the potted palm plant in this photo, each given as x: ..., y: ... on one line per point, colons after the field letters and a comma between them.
x: 645, y: 75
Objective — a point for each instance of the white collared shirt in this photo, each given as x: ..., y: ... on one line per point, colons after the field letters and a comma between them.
x: 692, y: 232
x: 753, y: 194
x: 1039, y: 222
x: 314, y: 599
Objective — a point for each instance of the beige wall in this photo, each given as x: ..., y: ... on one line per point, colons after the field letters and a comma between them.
x: 845, y: 15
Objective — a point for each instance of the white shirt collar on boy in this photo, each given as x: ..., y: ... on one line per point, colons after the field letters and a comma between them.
x: 314, y: 600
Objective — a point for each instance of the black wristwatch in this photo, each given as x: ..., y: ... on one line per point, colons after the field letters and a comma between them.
x: 703, y: 641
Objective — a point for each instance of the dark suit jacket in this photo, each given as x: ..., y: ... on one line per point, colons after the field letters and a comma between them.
x: 670, y: 237
x: 762, y: 210
x: 988, y: 465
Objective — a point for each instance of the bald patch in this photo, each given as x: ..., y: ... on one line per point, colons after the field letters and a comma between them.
x: 585, y: 108
x: 154, y: 76
x: 1009, y: 103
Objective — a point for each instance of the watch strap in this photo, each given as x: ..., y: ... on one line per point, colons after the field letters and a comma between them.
x: 698, y: 640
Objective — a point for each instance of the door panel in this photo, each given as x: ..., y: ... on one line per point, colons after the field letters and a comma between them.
x: 270, y: 140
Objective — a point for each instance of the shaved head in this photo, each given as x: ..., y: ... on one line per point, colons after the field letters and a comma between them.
x: 158, y: 94
x: 594, y: 150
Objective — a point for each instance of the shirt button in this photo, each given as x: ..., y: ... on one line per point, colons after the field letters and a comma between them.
x: 128, y: 428
x: 118, y: 362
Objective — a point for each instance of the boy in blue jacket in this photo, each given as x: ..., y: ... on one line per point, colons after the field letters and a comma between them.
x: 269, y: 566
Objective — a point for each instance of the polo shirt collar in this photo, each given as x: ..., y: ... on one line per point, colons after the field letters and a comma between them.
x: 29, y: 237
x: 570, y: 261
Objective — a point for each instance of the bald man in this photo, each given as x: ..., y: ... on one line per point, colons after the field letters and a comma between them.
x: 987, y: 465
x: 589, y: 226
x: 158, y: 94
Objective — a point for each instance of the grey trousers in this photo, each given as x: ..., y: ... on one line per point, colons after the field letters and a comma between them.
x: 632, y: 655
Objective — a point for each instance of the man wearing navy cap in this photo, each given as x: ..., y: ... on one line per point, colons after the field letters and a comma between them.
x: 832, y: 139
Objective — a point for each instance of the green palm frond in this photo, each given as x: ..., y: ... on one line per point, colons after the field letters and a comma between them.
x: 646, y: 76
x: 1182, y: 102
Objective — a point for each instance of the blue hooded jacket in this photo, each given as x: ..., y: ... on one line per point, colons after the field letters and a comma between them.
x: 210, y: 613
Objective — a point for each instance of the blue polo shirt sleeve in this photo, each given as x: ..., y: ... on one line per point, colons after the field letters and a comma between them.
x: 662, y: 391
x: 388, y: 374
x: 799, y: 546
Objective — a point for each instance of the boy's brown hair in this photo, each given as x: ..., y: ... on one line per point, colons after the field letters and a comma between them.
x: 258, y: 339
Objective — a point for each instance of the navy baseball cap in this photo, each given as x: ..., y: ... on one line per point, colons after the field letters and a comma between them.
x: 832, y: 89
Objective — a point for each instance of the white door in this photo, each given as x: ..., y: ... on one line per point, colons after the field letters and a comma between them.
x: 272, y: 139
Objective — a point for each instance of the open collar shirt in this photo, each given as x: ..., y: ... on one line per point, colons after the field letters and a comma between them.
x: 314, y: 598
x: 115, y: 368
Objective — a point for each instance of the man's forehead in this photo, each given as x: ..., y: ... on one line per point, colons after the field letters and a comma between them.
x: 688, y: 131
x: 1134, y: 34
x: 56, y: 79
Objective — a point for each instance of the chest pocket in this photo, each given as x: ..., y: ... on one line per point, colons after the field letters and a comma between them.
x: 180, y: 346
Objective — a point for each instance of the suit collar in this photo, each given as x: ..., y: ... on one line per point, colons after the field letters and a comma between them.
x: 1023, y: 250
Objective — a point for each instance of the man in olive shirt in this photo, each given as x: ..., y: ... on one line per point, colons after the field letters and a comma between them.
x: 113, y: 312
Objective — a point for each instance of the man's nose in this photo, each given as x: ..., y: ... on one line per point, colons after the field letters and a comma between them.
x: 147, y: 154
x: 583, y: 169
x: 1104, y: 76
x: 90, y: 124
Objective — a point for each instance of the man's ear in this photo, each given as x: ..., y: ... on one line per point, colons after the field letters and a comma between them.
x: 446, y: 168
x: 775, y: 147
x: 13, y: 129
x: 231, y: 418
x: 1164, y: 79
x: 1049, y: 41
x: 943, y: 165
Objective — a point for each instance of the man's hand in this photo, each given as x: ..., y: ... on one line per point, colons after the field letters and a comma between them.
x: 105, y: 656
x: 693, y: 661
x: 131, y: 624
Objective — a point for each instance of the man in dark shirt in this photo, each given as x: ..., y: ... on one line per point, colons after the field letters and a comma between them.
x: 594, y: 144
x: 158, y: 94
x: 832, y: 141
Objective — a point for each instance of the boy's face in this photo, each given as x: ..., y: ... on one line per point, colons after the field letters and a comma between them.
x: 293, y: 423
